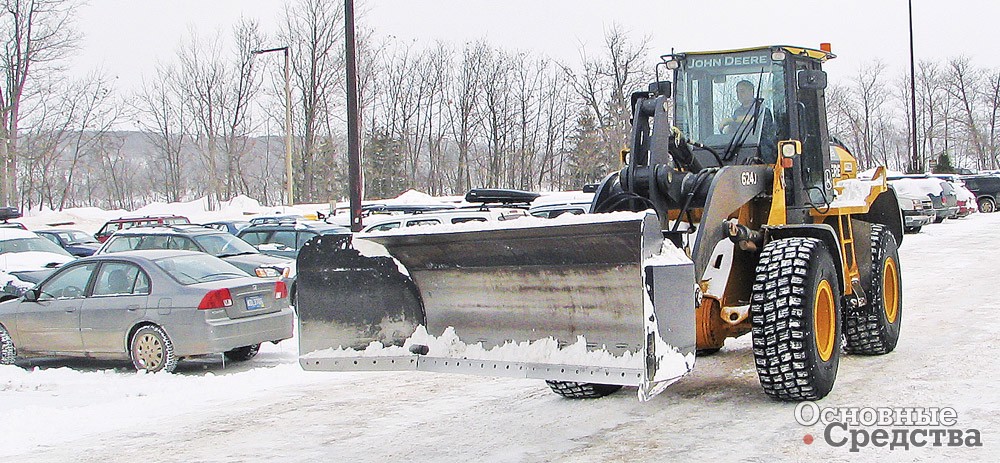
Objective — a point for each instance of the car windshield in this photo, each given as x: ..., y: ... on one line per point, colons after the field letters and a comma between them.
x: 31, y: 244
x: 198, y: 268
x: 224, y: 244
x: 76, y: 237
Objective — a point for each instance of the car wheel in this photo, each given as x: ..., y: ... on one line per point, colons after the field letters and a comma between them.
x: 575, y: 390
x: 242, y: 354
x: 913, y: 229
x: 8, y: 353
x: 151, y: 350
x: 986, y: 205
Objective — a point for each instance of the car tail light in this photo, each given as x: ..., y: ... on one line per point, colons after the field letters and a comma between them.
x: 216, y: 299
x: 280, y: 290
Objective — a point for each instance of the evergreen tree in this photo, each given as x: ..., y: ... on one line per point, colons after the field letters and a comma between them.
x: 383, y: 166
x: 588, y: 163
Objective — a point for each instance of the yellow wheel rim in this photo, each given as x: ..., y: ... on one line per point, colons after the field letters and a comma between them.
x: 890, y: 290
x: 824, y: 320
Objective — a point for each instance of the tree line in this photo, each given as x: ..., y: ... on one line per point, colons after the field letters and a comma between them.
x: 440, y: 118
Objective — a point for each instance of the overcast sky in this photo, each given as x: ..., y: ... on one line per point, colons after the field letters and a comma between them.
x: 125, y: 38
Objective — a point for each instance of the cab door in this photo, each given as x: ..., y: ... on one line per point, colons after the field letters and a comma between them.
x: 52, y: 323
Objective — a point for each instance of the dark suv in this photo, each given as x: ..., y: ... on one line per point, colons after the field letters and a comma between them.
x: 286, y: 238
x: 199, y: 238
x: 987, y: 190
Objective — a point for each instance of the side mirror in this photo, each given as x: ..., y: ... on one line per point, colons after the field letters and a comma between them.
x: 660, y: 88
x: 32, y: 294
x: 811, y: 79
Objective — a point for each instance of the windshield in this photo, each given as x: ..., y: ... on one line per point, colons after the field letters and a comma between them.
x: 76, y: 237
x: 224, y: 244
x: 731, y: 95
x: 198, y: 268
x: 31, y: 244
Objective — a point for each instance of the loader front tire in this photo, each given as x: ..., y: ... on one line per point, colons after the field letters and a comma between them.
x: 873, y: 329
x: 795, y: 316
x: 575, y: 390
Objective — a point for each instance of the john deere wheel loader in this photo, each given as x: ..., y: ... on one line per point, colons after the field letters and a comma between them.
x: 728, y: 218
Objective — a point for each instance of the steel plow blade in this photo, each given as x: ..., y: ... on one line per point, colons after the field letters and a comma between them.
x: 594, y: 298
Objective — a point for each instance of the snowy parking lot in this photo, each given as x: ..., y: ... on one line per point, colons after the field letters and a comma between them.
x: 269, y: 409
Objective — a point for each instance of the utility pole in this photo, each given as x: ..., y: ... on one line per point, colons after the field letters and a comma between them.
x: 353, y: 119
x: 289, y: 182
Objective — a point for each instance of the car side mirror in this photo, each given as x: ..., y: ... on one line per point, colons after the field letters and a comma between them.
x: 32, y: 294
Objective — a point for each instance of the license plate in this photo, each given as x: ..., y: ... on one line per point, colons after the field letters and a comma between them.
x: 255, y: 302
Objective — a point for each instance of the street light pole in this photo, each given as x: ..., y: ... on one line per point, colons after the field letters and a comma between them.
x: 913, y: 104
x: 289, y: 182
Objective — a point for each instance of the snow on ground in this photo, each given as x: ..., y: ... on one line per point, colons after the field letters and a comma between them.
x: 269, y: 409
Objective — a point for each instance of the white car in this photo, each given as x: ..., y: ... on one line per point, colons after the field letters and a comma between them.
x: 26, y: 259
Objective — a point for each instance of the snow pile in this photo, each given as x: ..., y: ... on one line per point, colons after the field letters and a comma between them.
x: 449, y: 345
x: 854, y: 192
x: 669, y: 255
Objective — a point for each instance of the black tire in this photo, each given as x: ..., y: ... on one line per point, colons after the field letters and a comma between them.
x: 8, y: 353
x: 795, y: 315
x: 986, y: 205
x: 707, y: 352
x: 151, y: 350
x: 873, y: 329
x: 574, y: 390
x: 242, y: 354
x: 913, y: 229
x: 938, y: 219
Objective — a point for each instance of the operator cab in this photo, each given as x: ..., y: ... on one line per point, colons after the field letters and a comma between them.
x: 735, y: 106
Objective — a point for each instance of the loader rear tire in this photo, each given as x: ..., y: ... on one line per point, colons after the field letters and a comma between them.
x: 575, y: 390
x: 795, y: 315
x: 873, y: 329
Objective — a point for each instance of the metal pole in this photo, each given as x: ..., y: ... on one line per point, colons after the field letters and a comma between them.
x: 289, y: 191
x: 353, y: 119
x: 913, y: 101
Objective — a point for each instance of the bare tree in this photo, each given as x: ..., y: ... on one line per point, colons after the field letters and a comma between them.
x: 314, y: 31
x: 38, y: 34
x: 963, y: 84
x: 463, y: 118
x: 166, y: 125
x: 607, y: 81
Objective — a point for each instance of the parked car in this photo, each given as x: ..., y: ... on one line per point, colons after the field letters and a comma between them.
x: 943, y: 198
x: 287, y: 218
x: 229, y: 226
x: 75, y: 242
x: 986, y: 188
x: 26, y: 259
x: 551, y: 211
x: 207, y: 240
x: 917, y: 207
x: 966, y: 199
x: 151, y: 307
x: 285, y: 239
x: 125, y: 223
x: 383, y: 223
x: 7, y: 213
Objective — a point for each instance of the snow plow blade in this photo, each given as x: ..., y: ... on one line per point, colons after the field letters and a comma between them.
x: 595, y: 298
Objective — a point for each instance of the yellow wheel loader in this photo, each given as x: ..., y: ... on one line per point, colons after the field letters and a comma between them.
x: 734, y: 213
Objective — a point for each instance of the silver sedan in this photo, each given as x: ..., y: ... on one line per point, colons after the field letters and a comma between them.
x: 154, y: 307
